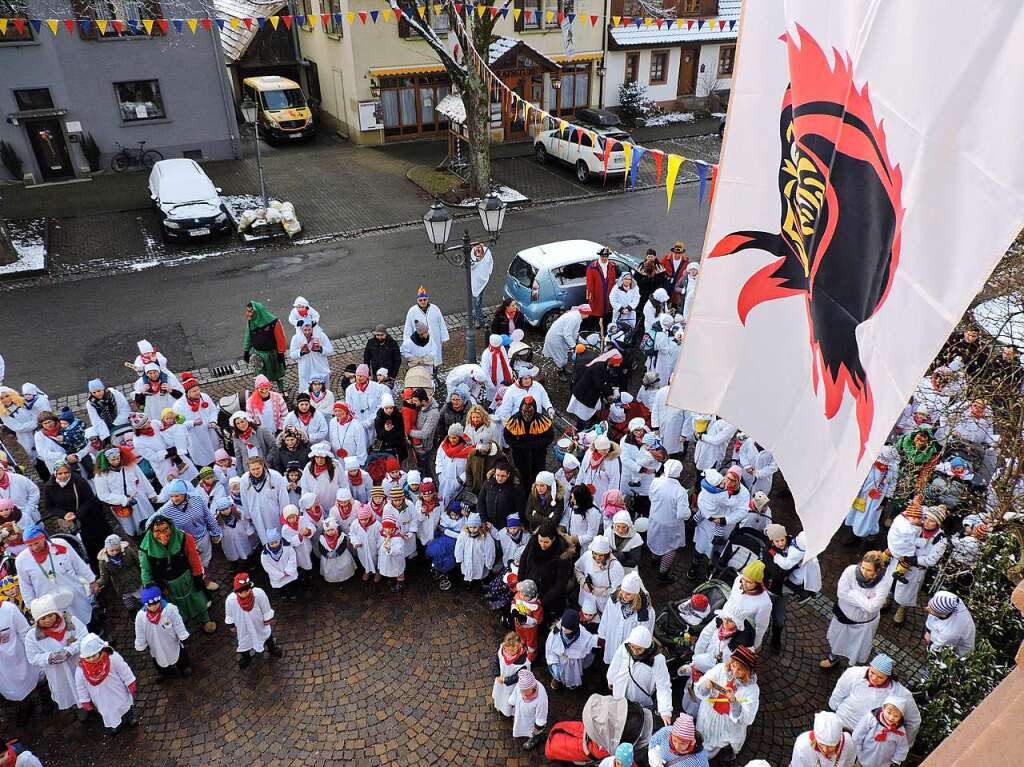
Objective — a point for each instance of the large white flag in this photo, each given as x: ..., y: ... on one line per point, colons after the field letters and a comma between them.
x: 871, y: 178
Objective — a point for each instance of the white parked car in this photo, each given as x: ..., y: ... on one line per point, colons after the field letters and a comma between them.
x: 587, y: 159
x: 189, y: 204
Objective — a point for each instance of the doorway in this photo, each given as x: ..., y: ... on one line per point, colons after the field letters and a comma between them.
x: 687, y: 85
x: 50, y: 148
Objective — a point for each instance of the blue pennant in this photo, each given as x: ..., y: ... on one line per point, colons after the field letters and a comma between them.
x: 702, y: 178
x: 179, y: 24
x: 37, y: 24
x: 634, y: 164
x: 220, y: 23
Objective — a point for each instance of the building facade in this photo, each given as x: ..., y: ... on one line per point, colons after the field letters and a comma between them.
x: 680, y: 66
x: 170, y: 90
x: 381, y: 83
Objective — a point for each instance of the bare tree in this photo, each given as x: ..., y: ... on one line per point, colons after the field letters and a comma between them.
x: 471, y: 81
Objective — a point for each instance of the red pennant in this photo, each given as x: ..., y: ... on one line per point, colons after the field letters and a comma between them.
x: 579, y: 136
x: 164, y: 25
x: 593, y: 21
x: 609, y: 147
x: 248, y: 22
x: 362, y: 16
x: 529, y: 17
x: 287, y: 21
x: 207, y: 24
x: 70, y: 24
x: 658, y: 158
x: 689, y: 24
x: 19, y: 24
x: 714, y: 182
x: 494, y: 12
x: 398, y: 12
x: 627, y: 20
x: 561, y: 18
x: 458, y: 8
x: 118, y: 25
x: 325, y: 20
x: 659, y: 22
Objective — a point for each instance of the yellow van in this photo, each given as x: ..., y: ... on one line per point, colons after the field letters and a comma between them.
x: 284, y: 113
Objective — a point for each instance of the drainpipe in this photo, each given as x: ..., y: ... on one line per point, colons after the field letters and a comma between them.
x: 604, y: 53
x: 226, y: 93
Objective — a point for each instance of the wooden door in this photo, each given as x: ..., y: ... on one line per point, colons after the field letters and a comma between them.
x: 515, y: 127
x: 687, y: 85
x: 50, y: 149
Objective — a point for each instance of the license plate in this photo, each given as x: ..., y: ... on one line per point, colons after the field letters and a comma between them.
x: 198, y: 232
x: 295, y: 135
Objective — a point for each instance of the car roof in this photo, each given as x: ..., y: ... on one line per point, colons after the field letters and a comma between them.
x: 179, y: 178
x: 554, y: 254
x: 270, y: 83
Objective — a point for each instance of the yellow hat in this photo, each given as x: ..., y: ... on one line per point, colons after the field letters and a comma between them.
x: 754, y: 571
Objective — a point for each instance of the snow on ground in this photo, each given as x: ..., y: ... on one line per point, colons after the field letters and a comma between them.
x: 505, y: 193
x: 29, y: 239
x: 669, y: 119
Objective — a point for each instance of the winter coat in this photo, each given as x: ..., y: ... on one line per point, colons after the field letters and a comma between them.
x: 392, y: 441
x: 499, y: 325
x: 383, y: 354
x: 594, y: 383
x: 281, y: 456
x: 78, y: 498
x: 553, y: 573
x: 126, y: 579
x: 262, y: 441
x: 496, y: 501
x: 538, y: 511
x: 599, y: 287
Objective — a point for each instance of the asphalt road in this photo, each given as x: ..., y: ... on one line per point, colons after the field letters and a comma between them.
x: 58, y: 336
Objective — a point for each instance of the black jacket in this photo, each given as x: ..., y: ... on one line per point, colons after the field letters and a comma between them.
x: 593, y: 383
x: 77, y: 498
x: 382, y: 354
x: 392, y: 441
x: 551, y: 572
x: 280, y: 457
x: 497, y: 500
x: 499, y: 325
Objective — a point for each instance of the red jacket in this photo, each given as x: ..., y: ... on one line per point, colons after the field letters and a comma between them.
x: 673, y: 277
x: 599, y: 288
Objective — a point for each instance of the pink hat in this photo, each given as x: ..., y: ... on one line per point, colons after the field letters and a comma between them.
x: 527, y: 681
x: 221, y: 455
x: 584, y: 309
x: 682, y: 728
x: 734, y: 471
x: 6, y: 504
x: 364, y: 513
x: 363, y: 370
x: 261, y: 380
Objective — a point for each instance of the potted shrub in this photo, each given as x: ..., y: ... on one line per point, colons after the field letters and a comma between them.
x: 91, y: 150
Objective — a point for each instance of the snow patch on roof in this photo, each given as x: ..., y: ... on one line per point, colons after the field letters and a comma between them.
x: 235, y: 41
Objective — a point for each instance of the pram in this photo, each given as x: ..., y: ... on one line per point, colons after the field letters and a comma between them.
x: 744, y: 546
x: 607, y: 722
x: 677, y: 627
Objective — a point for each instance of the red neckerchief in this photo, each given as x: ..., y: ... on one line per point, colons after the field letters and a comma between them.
x: 460, y: 449
x: 40, y: 556
x: 498, y: 356
x: 723, y: 706
x: 929, y: 534
x: 512, y: 658
x: 377, y: 509
x: 723, y: 634
x: 146, y: 431
x: 345, y: 514
x: 355, y: 479
x: 57, y: 632
x: 883, y: 734
x: 332, y: 539
x: 427, y: 505
x: 284, y: 521
x: 96, y: 671
x: 154, y: 617
x: 52, y: 432
x: 246, y: 436
x: 196, y: 404
x: 303, y: 311
x: 362, y: 387
x: 882, y: 467
x: 305, y: 417
x: 5, y: 482
x: 596, y: 459
x: 246, y: 603
x: 154, y: 386
x: 318, y: 469
x: 315, y: 517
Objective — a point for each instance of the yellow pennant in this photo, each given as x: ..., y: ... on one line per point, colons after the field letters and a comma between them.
x: 616, y: 20
x: 551, y: 17
x: 386, y: 14
x: 438, y: 9
x: 53, y: 25
x: 101, y: 25
x: 562, y: 125
x: 627, y: 150
x: 674, y: 161
x: 192, y: 25
x: 648, y: 21
x: 3, y: 26
x: 350, y: 15
x: 273, y: 21
x: 516, y: 13
x: 234, y: 22
x: 147, y: 24
x: 422, y: 11
x: 526, y: 112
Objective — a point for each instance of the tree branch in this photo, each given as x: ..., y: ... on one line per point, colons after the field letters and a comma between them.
x: 458, y: 72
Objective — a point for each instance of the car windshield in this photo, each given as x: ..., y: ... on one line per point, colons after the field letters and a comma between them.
x: 275, y: 100
x: 522, y: 272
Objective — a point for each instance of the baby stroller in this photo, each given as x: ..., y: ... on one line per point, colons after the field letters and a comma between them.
x: 607, y: 722
x: 744, y: 546
x: 678, y: 624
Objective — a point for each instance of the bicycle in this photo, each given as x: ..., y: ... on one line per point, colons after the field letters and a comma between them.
x: 126, y: 158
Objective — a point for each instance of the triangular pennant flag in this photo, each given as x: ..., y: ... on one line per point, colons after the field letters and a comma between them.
x: 287, y: 21
x: 374, y: 15
x: 714, y: 183
x: 572, y: 18
x: 648, y: 21
x: 118, y: 25
x: 616, y: 20
x: 530, y: 16
x: 3, y: 26
x: 350, y: 16
x: 561, y: 18
x: 85, y: 24
x: 658, y: 160
x: 234, y: 23
x: 458, y: 8
x: 639, y: 22
x: 494, y: 12
x: 700, y: 23
x: 593, y: 21
x: 550, y: 15
x: 398, y: 13
x: 164, y: 25
x: 300, y: 20
x: 385, y: 15
x: 627, y: 21
x: 526, y: 112
x: 274, y: 21
x: 37, y: 24
x: 208, y: 23
x: 133, y: 25
x: 19, y: 24
x: 337, y: 19
x: 362, y: 17
x: 53, y: 24
x: 516, y: 13
x: 261, y: 21
x: 192, y: 24
x: 422, y: 11
x: 659, y: 22
x: 101, y: 25
x: 248, y: 22
x: 437, y: 9
x: 732, y: 24
x: 325, y: 20
x: 627, y: 150
x: 702, y: 181
x: 504, y: 12
x: 69, y: 24
x: 220, y: 24
x: 609, y: 148
x: 674, y: 161
x: 481, y: 10
x: 578, y: 135
x: 638, y: 153
x: 147, y: 24
x: 689, y: 24
x: 179, y: 25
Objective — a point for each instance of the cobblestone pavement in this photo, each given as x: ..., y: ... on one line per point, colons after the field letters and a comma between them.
x: 374, y: 678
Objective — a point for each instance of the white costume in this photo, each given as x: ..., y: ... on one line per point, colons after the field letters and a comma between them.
x: 569, y: 659
x: 606, y: 476
x: 60, y: 676
x: 280, y: 571
x: 118, y: 487
x: 203, y: 441
x: 804, y: 754
x: 349, y: 437
x: 854, y: 696
x: 529, y: 716
x: 755, y: 607
x: 24, y: 493
x: 618, y: 620
x: 391, y: 556
x: 670, y: 508
x: 730, y: 728
x: 300, y: 541
x: 624, y: 302
x: 323, y: 486
x: 262, y: 504
x: 251, y: 627
x: 648, y: 684
x: 19, y: 677
x: 861, y: 605
x: 336, y: 563
x: 514, y: 396
x: 163, y: 639
x: 316, y: 430
x: 366, y: 541
x: 907, y: 539
x: 669, y: 422
x: 434, y: 320
x: 763, y: 464
x: 501, y: 692
x: 111, y: 697
x: 956, y: 631
x: 62, y: 570
x: 364, y: 406
x: 476, y: 555
x: 718, y: 505
x: 712, y: 445
x: 121, y: 412
x: 604, y: 581
x: 312, y: 363
x: 562, y: 336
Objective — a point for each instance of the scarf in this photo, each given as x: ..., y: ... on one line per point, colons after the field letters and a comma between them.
x: 722, y: 706
x: 166, y: 426
x: 723, y: 634
x: 96, y: 671
x: 865, y: 583
x: 343, y: 513
x: 498, y: 357
x: 305, y: 417
x: 105, y: 407
x: 199, y: 402
x: 57, y: 632
x: 332, y: 539
x: 154, y: 617
x: 284, y: 521
x: 317, y: 397
x: 839, y: 752
x: 882, y: 466
x: 596, y: 459
x: 460, y: 449
x: 275, y: 554
x: 427, y: 505
x: 343, y: 416
x: 5, y: 481
x: 883, y: 734
x: 117, y: 560
x: 154, y: 386
x: 230, y: 520
x: 40, y: 556
x: 247, y: 603
x: 362, y: 386
x: 315, y: 516
x: 51, y: 432
x: 355, y: 480
x: 568, y: 640
x: 146, y: 431
x: 511, y: 658
x: 318, y: 469
x: 929, y: 534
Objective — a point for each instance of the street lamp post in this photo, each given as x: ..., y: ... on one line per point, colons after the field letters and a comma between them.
x: 250, y: 113
x: 438, y: 223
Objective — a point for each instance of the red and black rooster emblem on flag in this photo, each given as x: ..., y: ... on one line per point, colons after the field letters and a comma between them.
x: 839, y: 243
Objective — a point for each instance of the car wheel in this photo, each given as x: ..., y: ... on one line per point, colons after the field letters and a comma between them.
x: 540, y: 153
x: 549, y: 319
x: 582, y: 172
